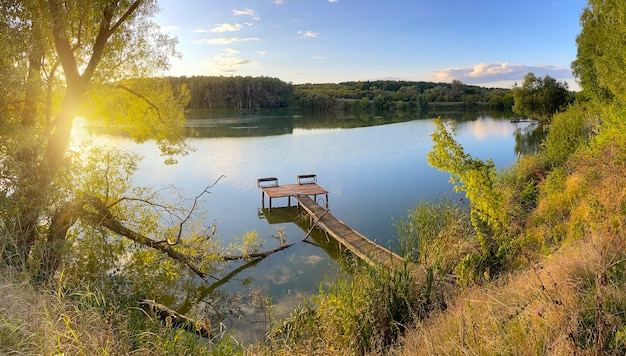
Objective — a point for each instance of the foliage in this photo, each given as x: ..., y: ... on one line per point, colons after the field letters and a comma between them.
x: 571, y: 130
x: 436, y: 235
x: 148, y: 109
x: 540, y: 97
x: 568, y: 215
x: 474, y: 177
x: 601, y: 50
x: 403, y: 95
x: 52, y: 320
x: 63, y: 59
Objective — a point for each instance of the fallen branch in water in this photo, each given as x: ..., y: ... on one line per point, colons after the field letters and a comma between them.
x: 173, y: 318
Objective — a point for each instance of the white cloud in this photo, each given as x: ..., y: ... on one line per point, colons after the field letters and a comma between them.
x: 248, y: 12
x: 278, y: 2
x: 308, y: 34
x: 226, y: 40
x: 227, y: 27
x: 486, y: 69
x: 319, y: 57
x: 262, y: 52
x: 498, y: 72
x: 227, y: 62
x: 313, y: 259
x: 230, y: 51
x: 331, y: 1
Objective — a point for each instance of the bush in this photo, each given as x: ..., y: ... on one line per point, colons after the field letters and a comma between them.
x: 570, y: 130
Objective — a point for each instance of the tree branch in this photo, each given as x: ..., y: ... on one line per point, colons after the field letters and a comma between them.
x: 193, y: 207
x: 254, y: 255
x: 140, y: 96
x: 102, y: 216
x: 95, y: 212
x: 173, y: 318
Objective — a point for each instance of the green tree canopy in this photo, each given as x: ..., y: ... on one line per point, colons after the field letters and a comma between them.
x: 540, y: 97
x: 599, y: 64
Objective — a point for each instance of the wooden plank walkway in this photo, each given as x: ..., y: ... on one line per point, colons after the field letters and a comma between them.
x: 370, y: 252
x: 358, y: 244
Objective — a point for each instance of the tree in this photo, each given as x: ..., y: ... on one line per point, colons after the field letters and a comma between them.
x: 64, y: 58
x: 599, y: 64
x: 540, y: 97
x: 477, y: 178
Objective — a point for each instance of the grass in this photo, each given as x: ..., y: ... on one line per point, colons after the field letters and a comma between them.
x: 47, y: 321
x: 44, y: 322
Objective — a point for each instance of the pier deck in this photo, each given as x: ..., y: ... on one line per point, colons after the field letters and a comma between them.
x: 306, y: 187
x: 271, y: 189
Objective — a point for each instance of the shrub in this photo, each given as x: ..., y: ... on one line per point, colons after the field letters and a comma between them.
x: 570, y: 130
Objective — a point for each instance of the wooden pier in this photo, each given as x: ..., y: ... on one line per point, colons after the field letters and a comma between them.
x: 358, y: 244
x: 307, y: 185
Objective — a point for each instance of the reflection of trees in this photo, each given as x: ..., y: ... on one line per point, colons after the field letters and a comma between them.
x: 529, y: 138
x: 196, y: 294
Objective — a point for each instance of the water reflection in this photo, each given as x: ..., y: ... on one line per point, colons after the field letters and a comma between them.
x: 529, y: 139
x: 374, y: 168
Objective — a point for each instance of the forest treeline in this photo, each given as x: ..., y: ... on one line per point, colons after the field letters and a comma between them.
x: 266, y: 93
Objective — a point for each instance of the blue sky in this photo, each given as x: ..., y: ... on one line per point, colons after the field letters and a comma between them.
x: 482, y: 42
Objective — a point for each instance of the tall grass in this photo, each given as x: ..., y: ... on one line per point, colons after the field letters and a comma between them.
x: 437, y: 235
x: 367, y: 313
x: 55, y: 319
x: 569, y: 298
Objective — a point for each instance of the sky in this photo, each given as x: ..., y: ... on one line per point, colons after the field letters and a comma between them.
x: 492, y: 43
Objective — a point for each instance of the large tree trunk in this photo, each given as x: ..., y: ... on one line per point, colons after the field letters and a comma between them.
x: 39, y: 171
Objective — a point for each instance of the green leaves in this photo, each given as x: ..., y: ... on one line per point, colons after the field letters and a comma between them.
x: 145, y: 108
x: 474, y: 177
x: 599, y: 64
x: 540, y: 97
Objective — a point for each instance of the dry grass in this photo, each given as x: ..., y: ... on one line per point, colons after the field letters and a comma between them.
x: 532, y: 312
x: 44, y: 323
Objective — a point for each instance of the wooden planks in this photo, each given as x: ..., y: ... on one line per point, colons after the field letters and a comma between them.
x: 291, y: 190
x: 286, y: 190
x: 358, y: 244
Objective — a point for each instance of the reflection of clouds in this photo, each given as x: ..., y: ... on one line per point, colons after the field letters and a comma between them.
x: 282, y: 274
x: 287, y: 303
x: 313, y: 259
x: 483, y: 129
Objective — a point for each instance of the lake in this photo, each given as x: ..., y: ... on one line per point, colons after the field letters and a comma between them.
x: 374, y: 167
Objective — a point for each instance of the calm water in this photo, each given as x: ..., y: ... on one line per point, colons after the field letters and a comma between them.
x: 374, y: 168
